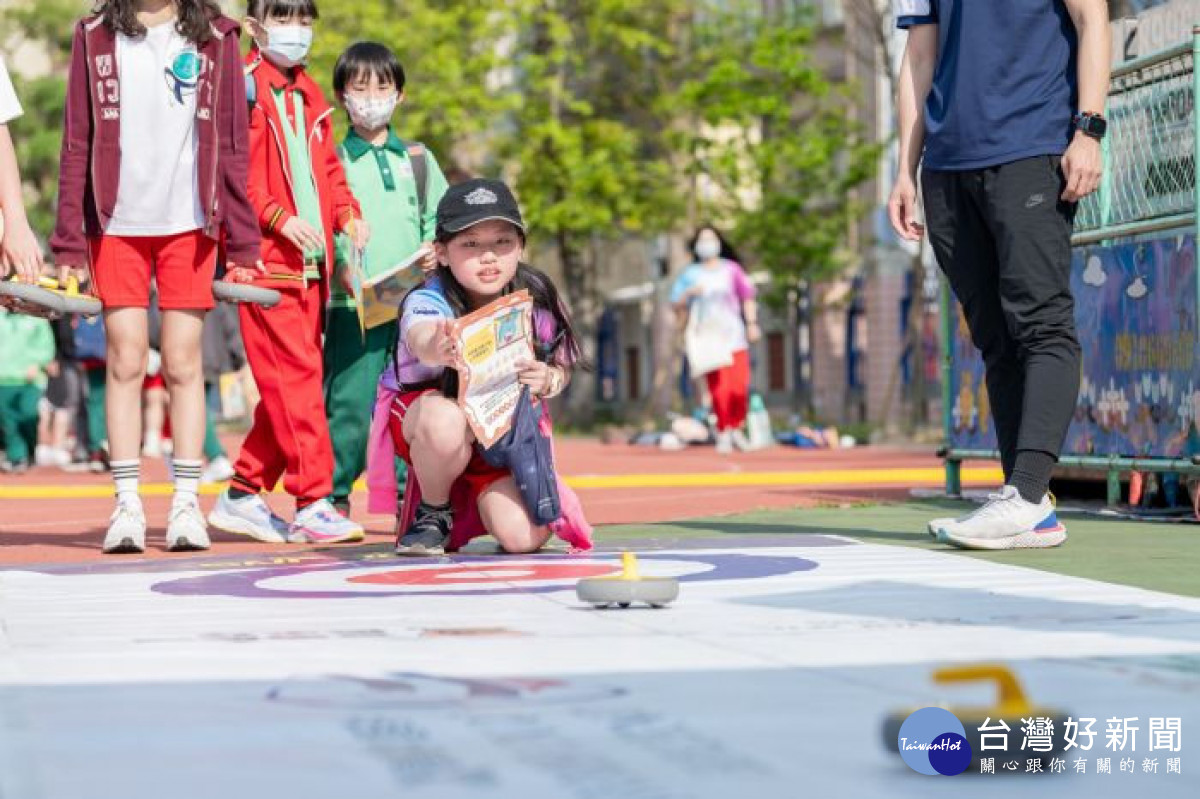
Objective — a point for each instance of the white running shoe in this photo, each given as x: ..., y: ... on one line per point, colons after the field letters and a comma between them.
x: 740, y: 442
x: 1007, y: 521
x: 249, y: 516
x: 126, y: 530
x: 218, y: 470
x: 725, y: 442
x: 319, y: 523
x: 185, y: 528
x: 937, y: 525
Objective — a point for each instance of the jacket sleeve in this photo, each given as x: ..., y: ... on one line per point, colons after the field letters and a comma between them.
x: 270, y: 212
x: 68, y: 242
x: 345, y: 206
x: 243, y: 244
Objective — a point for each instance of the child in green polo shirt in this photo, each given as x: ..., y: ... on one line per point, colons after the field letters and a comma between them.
x: 386, y: 175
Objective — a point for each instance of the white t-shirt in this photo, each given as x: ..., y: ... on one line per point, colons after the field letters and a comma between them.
x: 158, y: 194
x: 10, y: 109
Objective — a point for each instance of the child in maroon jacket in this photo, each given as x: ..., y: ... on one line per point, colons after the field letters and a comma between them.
x: 152, y: 181
x: 301, y: 198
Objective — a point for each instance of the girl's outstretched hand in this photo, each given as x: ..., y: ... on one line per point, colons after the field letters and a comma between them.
x: 446, y: 345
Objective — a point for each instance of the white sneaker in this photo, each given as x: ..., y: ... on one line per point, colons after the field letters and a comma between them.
x: 126, y: 530
x: 937, y: 525
x: 249, y: 516
x: 724, y: 442
x: 1007, y: 521
x: 218, y: 470
x: 185, y: 528
x: 320, y: 523
x: 740, y: 442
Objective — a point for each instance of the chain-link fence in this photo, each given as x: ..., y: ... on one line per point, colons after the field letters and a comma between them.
x: 1150, y: 168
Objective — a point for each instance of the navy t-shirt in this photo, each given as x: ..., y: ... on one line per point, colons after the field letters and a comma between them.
x: 1004, y: 85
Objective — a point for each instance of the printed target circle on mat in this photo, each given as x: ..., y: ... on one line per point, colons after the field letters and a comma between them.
x: 469, y: 575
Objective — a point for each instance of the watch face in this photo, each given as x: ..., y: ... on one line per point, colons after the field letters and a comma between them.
x: 1093, y: 125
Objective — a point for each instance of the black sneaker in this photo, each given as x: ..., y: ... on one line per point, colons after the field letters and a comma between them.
x: 428, y: 533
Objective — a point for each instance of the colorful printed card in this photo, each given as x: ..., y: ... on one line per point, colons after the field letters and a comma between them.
x: 491, y: 342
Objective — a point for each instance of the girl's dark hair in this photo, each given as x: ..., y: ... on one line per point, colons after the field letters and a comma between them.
x: 262, y: 10
x: 194, y: 23
x: 371, y: 58
x: 727, y: 251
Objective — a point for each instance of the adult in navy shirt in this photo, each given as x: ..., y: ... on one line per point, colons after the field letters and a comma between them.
x: 1001, y: 103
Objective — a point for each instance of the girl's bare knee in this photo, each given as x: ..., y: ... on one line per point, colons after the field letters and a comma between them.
x: 516, y: 539
x: 127, y: 363
x: 439, y: 426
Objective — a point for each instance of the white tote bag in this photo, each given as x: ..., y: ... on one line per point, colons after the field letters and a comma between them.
x: 707, y: 346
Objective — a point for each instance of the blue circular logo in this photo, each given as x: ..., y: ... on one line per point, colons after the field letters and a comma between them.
x: 933, y: 741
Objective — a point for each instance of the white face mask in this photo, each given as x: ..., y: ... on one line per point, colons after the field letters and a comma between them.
x: 371, y: 113
x: 707, y: 248
x: 288, y: 45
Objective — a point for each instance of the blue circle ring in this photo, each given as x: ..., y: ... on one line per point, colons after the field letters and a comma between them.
x: 246, y: 583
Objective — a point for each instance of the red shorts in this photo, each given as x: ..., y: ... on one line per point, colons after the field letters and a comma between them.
x: 479, y: 474
x: 183, y: 265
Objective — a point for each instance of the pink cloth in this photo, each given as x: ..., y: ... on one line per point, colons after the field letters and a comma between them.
x: 572, y: 527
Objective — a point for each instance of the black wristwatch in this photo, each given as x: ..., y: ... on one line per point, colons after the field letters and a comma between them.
x: 1092, y: 125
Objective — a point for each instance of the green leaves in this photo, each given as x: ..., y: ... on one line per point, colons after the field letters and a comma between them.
x: 610, y: 117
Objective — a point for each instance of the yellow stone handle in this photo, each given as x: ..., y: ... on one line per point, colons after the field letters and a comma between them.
x: 1011, y: 698
x: 629, y: 567
x: 71, y: 288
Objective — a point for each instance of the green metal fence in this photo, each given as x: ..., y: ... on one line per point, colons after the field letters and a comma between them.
x: 1149, y: 186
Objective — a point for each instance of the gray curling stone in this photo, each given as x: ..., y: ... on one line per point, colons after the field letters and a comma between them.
x: 627, y: 587
x: 227, y: 291
x: 47, y: 299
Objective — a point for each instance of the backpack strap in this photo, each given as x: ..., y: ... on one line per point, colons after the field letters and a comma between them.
x: 251, y: 85
x: 418, y: 155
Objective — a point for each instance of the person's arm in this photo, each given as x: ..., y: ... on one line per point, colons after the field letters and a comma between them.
x: 1082, y: 163
x: 19, y: 248
x: 747, y: 294
x: 347, y: 215
x: 69, y: 243
x: 243, y: 241
x: 916, y: 77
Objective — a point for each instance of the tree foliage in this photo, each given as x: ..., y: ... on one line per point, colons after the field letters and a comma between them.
x: 604, y: 113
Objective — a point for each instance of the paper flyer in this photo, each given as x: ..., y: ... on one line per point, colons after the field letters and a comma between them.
x: 492, y: 341
x: 383, y: 293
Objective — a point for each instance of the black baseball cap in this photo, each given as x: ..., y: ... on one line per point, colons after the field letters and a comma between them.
x: 474, y: 201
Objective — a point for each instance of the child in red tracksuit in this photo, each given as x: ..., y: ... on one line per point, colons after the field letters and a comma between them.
x: 152, y: 180
x: 299, y: 192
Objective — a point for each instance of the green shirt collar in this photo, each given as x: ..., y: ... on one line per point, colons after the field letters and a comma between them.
x: 356, y: 146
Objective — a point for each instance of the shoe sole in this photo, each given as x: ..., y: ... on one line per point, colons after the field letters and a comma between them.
x: 305, y: 537
x: 419, y: 551
x: 235, y: 526
x: 184, y: 544
x: 126, y: 546
x: 1052, y: 537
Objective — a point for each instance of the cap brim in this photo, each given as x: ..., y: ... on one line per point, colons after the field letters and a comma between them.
x: 463, y: 225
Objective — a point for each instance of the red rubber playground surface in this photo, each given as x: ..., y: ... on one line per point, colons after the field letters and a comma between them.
x: 49, y: 516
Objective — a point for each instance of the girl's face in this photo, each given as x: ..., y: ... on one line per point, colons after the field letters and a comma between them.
x: 708, y: 238
x: 260, y: 29
x: 483, y: 258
